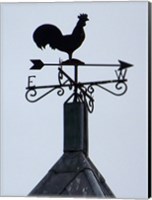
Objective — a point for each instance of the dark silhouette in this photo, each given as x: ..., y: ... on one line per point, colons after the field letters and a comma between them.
x: 50, y: 34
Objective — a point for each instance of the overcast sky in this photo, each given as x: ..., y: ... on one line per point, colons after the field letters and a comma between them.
x: 32, y: 134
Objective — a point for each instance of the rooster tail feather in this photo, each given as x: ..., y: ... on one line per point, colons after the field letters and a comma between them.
x: 47, y: 34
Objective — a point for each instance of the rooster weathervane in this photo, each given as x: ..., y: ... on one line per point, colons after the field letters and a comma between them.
x: 49, y: 34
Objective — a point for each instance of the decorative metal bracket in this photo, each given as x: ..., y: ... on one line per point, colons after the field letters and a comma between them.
x: 82, y: 91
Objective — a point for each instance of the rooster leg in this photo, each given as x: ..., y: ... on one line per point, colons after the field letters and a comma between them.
x: 70, y: 56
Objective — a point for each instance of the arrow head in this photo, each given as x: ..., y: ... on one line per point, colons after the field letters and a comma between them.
x: 124, y: 65
x: 37, y: 64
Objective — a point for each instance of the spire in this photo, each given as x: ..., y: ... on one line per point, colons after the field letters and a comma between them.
x: 75, y: 127
x: 74, y: 174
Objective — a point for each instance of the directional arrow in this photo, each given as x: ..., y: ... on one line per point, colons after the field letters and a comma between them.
x: 38, y: 64
x: 124, y: 65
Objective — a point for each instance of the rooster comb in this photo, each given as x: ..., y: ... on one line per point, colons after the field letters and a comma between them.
x: 83, y: 16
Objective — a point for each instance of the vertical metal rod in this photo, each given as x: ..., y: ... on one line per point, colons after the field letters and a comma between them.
x: 76, y: 82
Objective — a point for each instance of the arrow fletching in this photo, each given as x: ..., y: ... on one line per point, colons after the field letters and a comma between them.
x: 37, y: 64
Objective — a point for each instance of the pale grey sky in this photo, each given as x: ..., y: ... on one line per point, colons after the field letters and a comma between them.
x: 32, y: 134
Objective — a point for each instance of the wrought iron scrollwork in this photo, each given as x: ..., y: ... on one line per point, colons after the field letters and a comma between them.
x: 121, y: 88
x: 89, y: 103
x: 82, y: 91
x: 121, y: 85
x: 88, y: 99
x: 61, y: 80
x: 60, y: 92
x: 31, y: 94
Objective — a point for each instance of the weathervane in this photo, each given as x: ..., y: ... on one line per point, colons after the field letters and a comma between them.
x: 49, y: 34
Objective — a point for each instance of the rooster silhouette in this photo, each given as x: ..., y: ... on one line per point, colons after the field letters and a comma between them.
x: 49, y: 34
